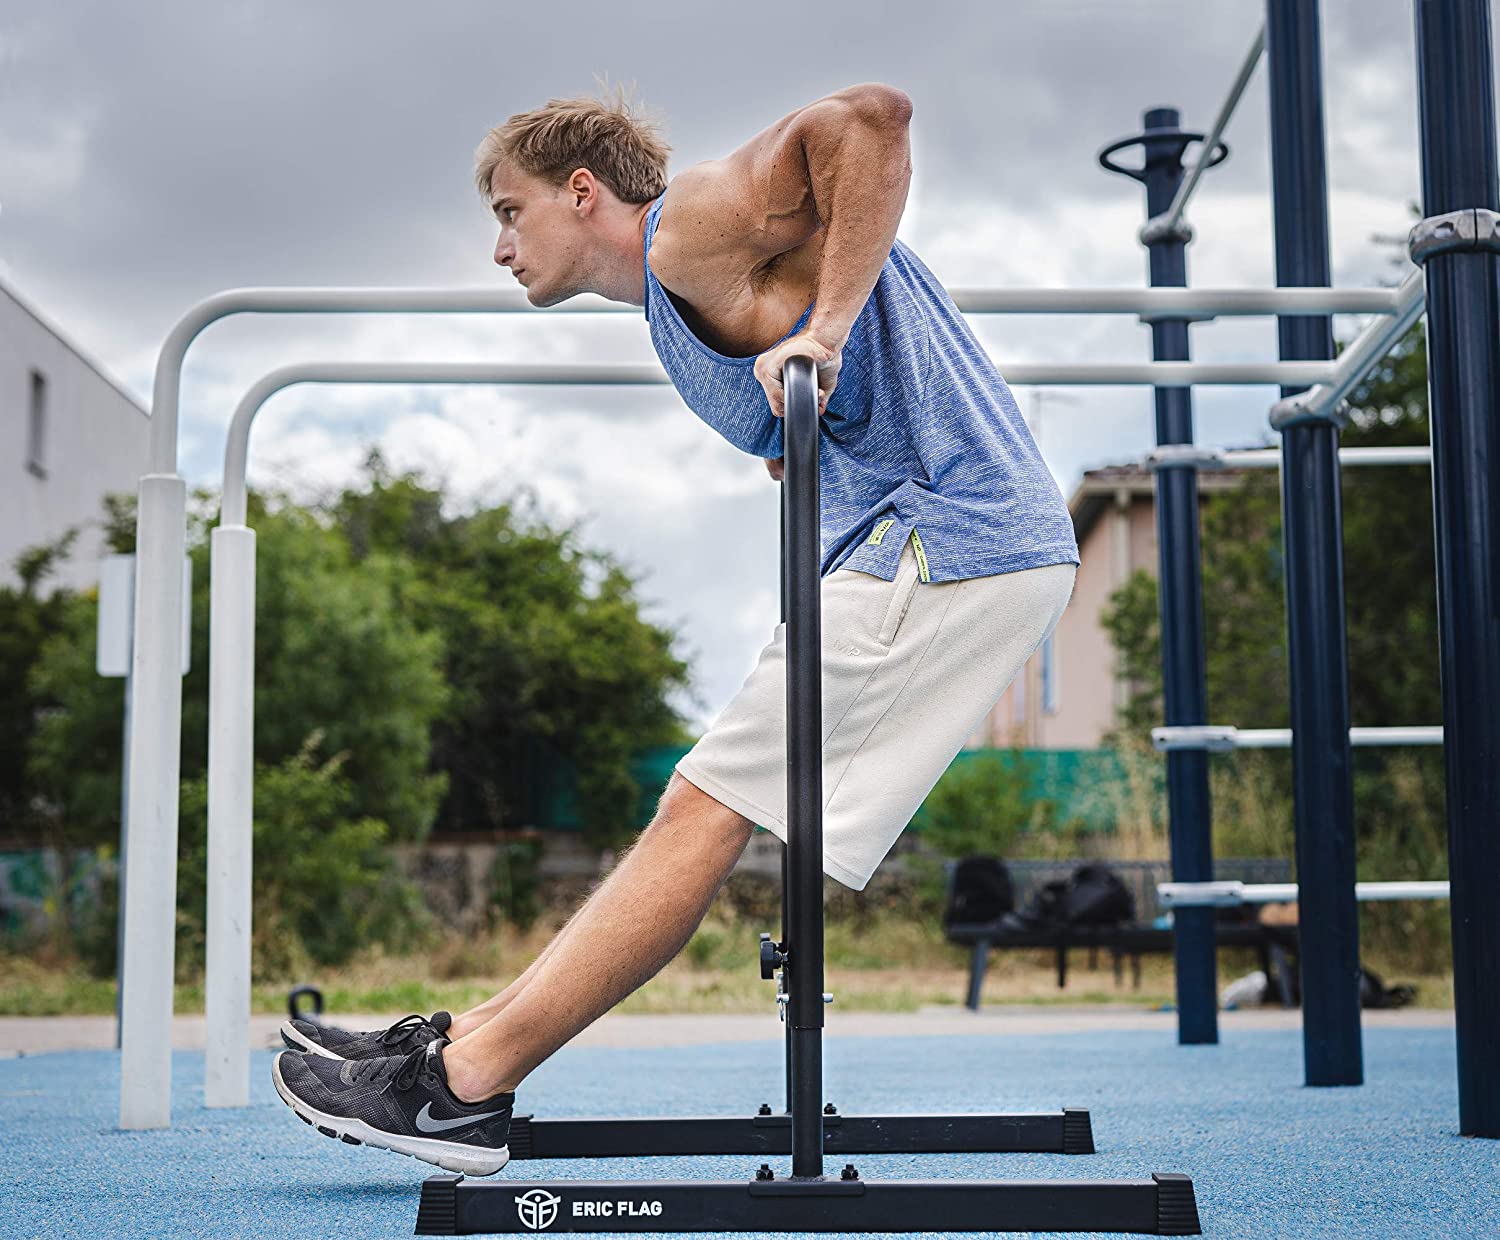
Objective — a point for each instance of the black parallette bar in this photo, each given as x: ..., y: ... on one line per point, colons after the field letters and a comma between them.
x: 1067, y: 1132
x: 1164, y: 1205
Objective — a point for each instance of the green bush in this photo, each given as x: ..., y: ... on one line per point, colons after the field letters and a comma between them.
x: 325, y: 883
x: 981, y: 804
x: 515, y: 881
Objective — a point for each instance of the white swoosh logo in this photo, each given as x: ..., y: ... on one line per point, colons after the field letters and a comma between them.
x: 425, y: 1122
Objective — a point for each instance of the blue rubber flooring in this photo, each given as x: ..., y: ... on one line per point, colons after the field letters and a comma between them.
x: 1269, y: 1158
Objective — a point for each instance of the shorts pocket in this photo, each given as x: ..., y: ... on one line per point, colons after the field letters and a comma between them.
x: 903, y: 589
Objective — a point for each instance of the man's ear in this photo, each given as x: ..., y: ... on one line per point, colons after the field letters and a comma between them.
x: 584, y: 189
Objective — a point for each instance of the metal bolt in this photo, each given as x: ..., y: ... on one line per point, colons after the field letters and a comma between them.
x: 848, y: 1173
x: 830, y: 1109
x: 765, y: 1172
x: 765, y: 1109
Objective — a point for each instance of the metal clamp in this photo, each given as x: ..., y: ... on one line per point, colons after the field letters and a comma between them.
x: 1472, y: 228
x: 1183, y: 456
x: 1304, y: 409
x: 1215, y: 738
x: 1149, y: 317
x: 772, y: 956
x: 1160, y: 228
x: 782, y: 999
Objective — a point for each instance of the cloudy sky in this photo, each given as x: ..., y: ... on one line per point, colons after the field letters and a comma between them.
x: 156, y: 152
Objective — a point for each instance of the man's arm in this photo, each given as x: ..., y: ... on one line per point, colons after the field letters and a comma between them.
x: 841, y: 164
x: 858, y: 161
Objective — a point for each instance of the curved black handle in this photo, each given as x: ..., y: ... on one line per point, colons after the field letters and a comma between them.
x: 1185, y: 139
x: 312, y: 993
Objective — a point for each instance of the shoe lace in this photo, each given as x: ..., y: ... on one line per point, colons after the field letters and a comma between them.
x: 405, y: 1028
x: 404, y: 1068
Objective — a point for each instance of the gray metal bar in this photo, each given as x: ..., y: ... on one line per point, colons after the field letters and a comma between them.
x: 1192, y: 456
x: 1362, y: 355
x: 1169, y: 222
x: 1222, y: 738
x: 1228, y: 893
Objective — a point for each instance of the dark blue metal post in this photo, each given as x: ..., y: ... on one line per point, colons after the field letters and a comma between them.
x: 1461, y: 257
x: 1180, y: 590
x: 1312, y: 519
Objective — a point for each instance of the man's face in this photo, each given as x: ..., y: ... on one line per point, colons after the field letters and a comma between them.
x: 540, y: 236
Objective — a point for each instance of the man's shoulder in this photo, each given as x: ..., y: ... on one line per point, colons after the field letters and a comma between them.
x: 727, y: 219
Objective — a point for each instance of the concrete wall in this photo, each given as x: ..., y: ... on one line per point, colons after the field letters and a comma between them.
x: 94, y: 441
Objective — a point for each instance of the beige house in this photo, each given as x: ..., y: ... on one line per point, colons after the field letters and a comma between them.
x: 1067, y: 694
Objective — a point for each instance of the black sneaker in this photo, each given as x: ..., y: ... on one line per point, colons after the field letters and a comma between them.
x: 400, y: 1103
x: 404, y: 1036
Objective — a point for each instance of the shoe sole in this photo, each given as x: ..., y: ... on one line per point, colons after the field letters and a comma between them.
x: 449, y: 1155
x: 296, y: 1040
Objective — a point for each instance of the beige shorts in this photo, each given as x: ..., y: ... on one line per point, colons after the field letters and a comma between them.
x: 909, y: 671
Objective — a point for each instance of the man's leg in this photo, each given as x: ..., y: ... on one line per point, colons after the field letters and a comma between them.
x: 478, y: 1015
x: 639, y: 919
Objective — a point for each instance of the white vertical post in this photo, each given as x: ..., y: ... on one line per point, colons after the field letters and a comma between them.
x: 151, y: 877
x: 231, y: 770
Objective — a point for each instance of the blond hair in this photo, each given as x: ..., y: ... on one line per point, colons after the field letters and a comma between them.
x: 608, y: 136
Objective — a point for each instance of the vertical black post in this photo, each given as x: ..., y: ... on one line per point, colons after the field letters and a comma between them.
x: 1312, y: 520
x: 786, y: 917
x: 1180, y: 591
x: 804, y: 691
x: 1461, y: 258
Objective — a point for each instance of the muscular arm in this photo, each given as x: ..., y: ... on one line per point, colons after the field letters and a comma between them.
x: 858, y: 160
x: 840, y: 165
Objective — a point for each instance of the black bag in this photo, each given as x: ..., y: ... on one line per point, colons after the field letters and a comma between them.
x: 1048, y: 908
x: 1092, y: 895
x: 981, y: 893
x: 1097, y: 897
x: 1374, y: 993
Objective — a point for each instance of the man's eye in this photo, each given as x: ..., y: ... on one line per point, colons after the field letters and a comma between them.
x: 509, y: 210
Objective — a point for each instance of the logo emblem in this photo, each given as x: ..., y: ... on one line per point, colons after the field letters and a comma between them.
x: 425, y: 1122
x: 537, y: 1208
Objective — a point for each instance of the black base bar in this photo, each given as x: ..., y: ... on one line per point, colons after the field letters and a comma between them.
x: 808, y: 1200
x: 1164, y: 1205
x: 1067, y: 1132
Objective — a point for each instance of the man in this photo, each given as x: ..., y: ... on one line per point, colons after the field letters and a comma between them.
x: 948, y: 552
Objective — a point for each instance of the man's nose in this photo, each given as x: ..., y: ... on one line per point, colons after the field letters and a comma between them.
x: 504, y: 253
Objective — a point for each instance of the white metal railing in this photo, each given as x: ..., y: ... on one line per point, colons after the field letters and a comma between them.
x: 1180, y: 455
x: 1223, y: 738
x: 1202, y: 302
x: 153, y: 766
x: 1230, y: 894
x: 1359, y: 358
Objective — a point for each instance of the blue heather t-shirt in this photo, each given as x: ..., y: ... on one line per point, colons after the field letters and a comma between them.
x: 920, y: 439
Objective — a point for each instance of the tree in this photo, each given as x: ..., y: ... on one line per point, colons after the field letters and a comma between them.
x: 1391, y: 626
x: 26, y: 619
x: 334, y: 654
x: 1390, y: 595
x: 555, y: 677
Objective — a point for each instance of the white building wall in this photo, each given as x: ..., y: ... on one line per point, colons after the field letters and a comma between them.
x: 94, y: 441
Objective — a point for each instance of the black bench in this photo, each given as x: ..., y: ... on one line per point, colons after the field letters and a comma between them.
x: 1235, y: 927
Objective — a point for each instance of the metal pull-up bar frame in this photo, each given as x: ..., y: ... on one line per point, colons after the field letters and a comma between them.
x: 153, y: 761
